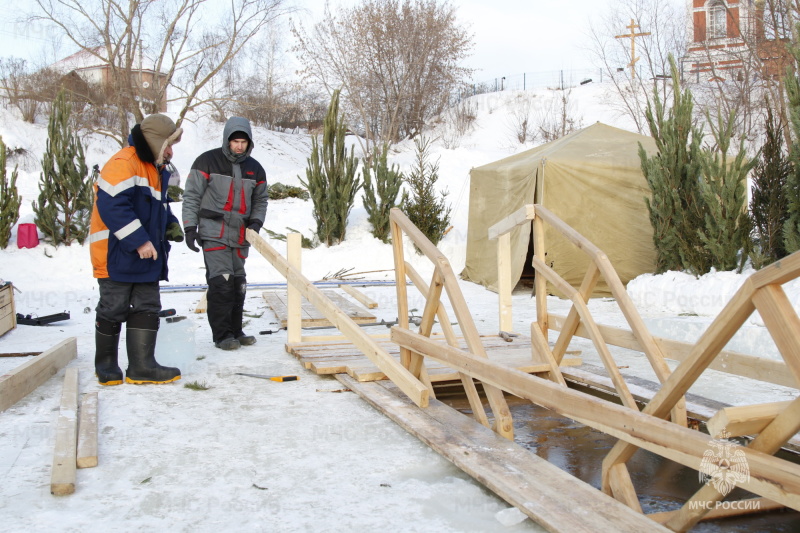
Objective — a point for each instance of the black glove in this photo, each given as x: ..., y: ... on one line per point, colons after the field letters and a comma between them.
x: 255, y: 225
x: 191, y: 239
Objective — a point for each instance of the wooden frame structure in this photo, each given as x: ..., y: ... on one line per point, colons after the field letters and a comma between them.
x: 660, y: 428
x: 773, y: 424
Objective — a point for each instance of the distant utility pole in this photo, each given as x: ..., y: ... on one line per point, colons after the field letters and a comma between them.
x: 632, y: 36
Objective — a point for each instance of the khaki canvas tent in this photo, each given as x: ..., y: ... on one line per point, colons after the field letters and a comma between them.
x: 591, y: 179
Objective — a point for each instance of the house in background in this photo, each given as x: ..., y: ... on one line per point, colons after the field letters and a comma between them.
x: 94, y: 71
x: 730, y: 38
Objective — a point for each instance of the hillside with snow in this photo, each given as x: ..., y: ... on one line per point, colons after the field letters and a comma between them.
x: 248, y: 455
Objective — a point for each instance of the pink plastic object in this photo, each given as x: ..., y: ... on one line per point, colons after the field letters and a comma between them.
x: 27, y: 236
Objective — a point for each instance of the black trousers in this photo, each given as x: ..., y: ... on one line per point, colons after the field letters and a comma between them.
x: 119, y: 299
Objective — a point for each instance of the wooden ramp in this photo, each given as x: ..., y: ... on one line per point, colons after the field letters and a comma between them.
x: 342, y: 357
x: 311, y: 316
x: 551, y: 497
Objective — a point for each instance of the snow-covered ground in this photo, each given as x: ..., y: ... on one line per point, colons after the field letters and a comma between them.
x: 256, y: 455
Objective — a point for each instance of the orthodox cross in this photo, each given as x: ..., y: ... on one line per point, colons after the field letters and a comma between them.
x: 632, y: 36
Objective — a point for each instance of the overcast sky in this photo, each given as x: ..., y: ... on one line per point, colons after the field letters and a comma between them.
x: 511, y: 36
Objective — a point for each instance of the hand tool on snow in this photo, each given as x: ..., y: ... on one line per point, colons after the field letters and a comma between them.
x: 271, y: 378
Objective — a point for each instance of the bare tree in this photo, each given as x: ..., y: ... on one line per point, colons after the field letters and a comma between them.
x: 397, y: 62
x: 555, y: 116
x: 174, y: 38
x: 667, y: 28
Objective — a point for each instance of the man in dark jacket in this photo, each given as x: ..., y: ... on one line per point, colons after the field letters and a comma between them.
x: 226, y: 193
x: 131, y: 223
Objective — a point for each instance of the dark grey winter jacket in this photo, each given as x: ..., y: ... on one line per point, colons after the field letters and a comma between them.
x: 226, y: 193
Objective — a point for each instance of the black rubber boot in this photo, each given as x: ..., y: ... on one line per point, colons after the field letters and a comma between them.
x: 106, y: 349
x: 221, y: 298
x: 140, y: 338
x: 237, y: 315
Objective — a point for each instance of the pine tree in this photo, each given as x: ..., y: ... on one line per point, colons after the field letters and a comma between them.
x: 791, y: 228
x: 428, y: 213
x: 9, y: 199
x: 726, y: 232
x: 331, y: 177
x: 768, y: 203
x: 65, y: 191
x: 673, y: 174
x: 381, y: 197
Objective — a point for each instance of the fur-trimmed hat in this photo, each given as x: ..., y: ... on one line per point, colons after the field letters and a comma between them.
x: 160, y: 131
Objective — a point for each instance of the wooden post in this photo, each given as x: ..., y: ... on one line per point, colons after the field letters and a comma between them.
x: 63, y: 475
x: 294, y: 318
x: 400, y: 286
x: 504, y: 281
x: 539, y: 281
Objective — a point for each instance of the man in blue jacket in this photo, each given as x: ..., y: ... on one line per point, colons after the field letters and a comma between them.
x: 226, y: 193
x: 131, y: 223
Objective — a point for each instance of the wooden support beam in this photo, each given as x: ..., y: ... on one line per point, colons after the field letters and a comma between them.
x: 782, y: 322
x: 294, y: 304
x: 24, y: 379
x: 594, y: 332
x: 410, y: 385
x: 744, y: 420
x: 769, y: 441
x: 540, y: 346
x: 63, y: 474
x: 368, y: 302
x: 441, y: 312
x: 87, y: 431
x: 622, y: 487
x: 573, y: 320
x: 771, y: 477
x: 715, y: 337
x: 739, y: 364
x: 539, y: 281
x: 401, y: 290
x: 521, y: 216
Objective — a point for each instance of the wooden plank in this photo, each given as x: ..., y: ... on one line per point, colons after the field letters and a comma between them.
x: 19, y: 354
x: 365, y: 300
x: 416, y: 390
x: 202, y: 305
x: 63, y: 474
x: 771, y: 477
x: 517, y: 218
x: 87, y: 431
x: 735, y: 363
x: 310, y: 315
x: 21, y: 381
x: 548, y: 495
x: 744, y: 420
